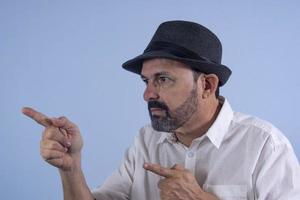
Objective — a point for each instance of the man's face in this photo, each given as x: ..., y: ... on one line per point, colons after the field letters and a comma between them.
x: 171, y: 93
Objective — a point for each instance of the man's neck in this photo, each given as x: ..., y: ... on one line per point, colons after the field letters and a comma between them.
x: 199, y: 124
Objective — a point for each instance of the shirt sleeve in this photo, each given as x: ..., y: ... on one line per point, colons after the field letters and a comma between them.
x: 277, y: 173
x: 118, y: 185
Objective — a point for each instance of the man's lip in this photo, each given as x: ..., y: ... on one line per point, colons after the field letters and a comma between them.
x: 156, y: 111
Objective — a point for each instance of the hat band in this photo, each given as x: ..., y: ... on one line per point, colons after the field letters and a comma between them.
x: 176, y: 50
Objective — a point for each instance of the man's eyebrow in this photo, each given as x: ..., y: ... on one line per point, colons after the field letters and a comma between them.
x: 162, y: 73
x: 156, y: 74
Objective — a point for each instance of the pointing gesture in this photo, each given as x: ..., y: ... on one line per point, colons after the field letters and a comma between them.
x: 178, y: 183
x: 162, y: 171
x: 61, y: 141
x: 37, y: 116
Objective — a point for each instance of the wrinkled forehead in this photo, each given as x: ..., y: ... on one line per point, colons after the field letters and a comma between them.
x: 164, y: 65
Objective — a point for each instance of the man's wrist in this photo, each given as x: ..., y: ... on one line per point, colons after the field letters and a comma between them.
x: 74, y: 167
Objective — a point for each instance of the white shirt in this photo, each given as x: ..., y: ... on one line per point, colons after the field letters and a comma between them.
x: 240, y: 157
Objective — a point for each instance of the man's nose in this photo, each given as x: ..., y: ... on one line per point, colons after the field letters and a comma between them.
x: 151, y: 92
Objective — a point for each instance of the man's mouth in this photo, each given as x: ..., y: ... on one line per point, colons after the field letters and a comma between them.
x: 156, y: 111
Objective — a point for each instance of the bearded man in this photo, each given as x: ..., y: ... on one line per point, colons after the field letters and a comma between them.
x: 196, y: 147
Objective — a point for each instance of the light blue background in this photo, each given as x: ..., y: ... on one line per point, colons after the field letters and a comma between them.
x: 64, y: 58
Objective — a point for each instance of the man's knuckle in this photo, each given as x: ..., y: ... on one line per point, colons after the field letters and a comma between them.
x: 161, y: 170
x: 53, y: 134
x: 47, y: 154
x: 53, y: 145
x: 63, y: 119
x: 48, y: 133
x: 44, y: 154
x: 187, y: 174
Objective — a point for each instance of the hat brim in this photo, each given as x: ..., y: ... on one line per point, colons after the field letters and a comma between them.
x: 135, y: 65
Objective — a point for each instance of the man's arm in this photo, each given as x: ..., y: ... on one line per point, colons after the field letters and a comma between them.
x: 61, y: 146
x: 74, y: 185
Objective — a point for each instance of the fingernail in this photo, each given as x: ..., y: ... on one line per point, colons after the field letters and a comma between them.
x: 68, y: 144
x: 66, y: 149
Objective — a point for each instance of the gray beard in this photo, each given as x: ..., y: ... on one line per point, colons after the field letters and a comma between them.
x: 174, y: 120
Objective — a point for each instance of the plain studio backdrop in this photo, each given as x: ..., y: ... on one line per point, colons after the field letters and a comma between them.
x: 64, y: 58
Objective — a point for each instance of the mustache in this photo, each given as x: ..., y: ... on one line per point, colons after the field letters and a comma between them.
x: 157, y: 104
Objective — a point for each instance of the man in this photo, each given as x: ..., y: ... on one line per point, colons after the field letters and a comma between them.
x: 196, y: 147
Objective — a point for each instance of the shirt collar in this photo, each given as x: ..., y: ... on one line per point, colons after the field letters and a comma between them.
x: 170, y: 137
x: 220, y: 126
x: 217, y: 130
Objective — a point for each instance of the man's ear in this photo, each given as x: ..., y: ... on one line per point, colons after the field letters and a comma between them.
x: 210, y: 84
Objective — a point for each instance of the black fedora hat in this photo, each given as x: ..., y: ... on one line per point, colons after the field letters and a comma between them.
x: 187, y: 42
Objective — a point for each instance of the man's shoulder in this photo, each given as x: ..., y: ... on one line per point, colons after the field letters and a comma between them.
x: 252, y: 121
x: 253, y: 126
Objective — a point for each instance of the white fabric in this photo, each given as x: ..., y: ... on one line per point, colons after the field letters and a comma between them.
x: 240, y: 157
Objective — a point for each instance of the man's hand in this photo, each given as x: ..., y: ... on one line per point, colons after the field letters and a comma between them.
x: 178, y: 183
x: 61, y: 142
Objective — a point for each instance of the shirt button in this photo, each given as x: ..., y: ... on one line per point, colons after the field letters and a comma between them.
x: 190, y: 154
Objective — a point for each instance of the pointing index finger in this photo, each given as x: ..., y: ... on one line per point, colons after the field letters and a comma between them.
x: 159, y: 170
x: 37, y: 116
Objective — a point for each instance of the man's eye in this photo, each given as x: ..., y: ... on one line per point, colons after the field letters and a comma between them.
x: 145, y: 81
x: 163, y: 79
